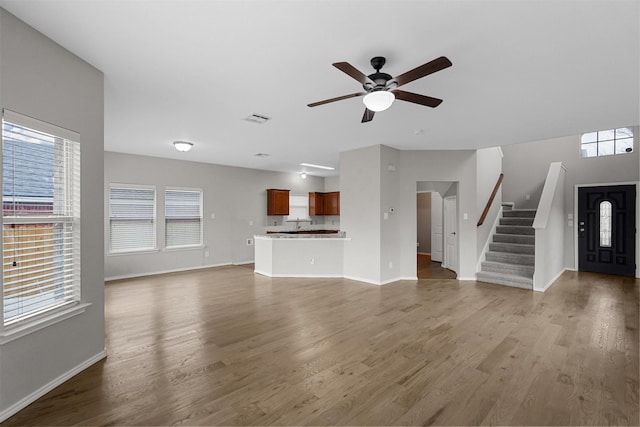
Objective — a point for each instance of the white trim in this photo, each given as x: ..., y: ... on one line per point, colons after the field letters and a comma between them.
x: 425, y: 253
x: 155, y: 273
x: 485, y: 249
x: 244, y: 262
x: 545, y: 287
x: 142, y: 251
x: 465, y: 279
x: 575, y: 220
x: 39, y: 125
x: 183, y: 248
x: 301, y: 276
x: 32, y: 325
x: 32, y: 397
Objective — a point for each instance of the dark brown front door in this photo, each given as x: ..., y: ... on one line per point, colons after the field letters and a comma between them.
x: 607, y: 229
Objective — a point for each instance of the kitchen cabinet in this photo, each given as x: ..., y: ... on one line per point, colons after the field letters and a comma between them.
x: 332, y: 203
x: 277, y: 202
x: 316, y: 204
x: 324, y: 203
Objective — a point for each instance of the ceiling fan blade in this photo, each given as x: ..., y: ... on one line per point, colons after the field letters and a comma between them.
x: 349, y: 69
x: 368, y: 115
x: 423, y: 70
x: 417, y: 98
x: 339, y: 98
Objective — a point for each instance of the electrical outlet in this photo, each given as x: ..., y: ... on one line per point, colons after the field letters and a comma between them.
x: 206, y: 253
x: 313, y: 261
x: 249, y: 242
x: 390, y: 264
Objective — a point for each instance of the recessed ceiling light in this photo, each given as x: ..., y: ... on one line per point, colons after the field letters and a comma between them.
x: 329, y: 168
x: 262, y: 155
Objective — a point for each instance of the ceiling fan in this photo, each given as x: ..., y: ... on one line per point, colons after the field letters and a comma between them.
x: 381, y: 89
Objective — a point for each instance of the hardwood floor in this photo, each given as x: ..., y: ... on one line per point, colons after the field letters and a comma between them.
x: 428, y: 269
x: 223, y: 346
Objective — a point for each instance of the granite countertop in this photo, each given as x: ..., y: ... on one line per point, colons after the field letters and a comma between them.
x: 308, y: 234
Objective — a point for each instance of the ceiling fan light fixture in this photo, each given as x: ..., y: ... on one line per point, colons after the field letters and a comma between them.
x: 183, y: 146
x: 378, y: 100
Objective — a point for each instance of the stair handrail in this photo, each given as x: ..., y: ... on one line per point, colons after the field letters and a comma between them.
x: 490, y: 201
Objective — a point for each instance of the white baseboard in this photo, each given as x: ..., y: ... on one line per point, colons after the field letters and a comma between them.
x: 301, y: 276
x: 32, y: 397
x: 244, y: 262
x: 155, y: 273
x: 550, y: 282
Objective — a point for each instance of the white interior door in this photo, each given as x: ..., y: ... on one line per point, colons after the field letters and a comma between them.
x: 436, y: 227
x: 450, y: 233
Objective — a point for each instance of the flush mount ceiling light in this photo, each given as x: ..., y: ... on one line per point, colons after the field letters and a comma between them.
x: 379, y: 100
x: 329, y: 168
x: 183, y: 146
x: 303, y: 175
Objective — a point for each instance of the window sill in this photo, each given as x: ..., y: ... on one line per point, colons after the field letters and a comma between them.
x: 183, y: 248
x: 39, y: 323
x: 141, y: 252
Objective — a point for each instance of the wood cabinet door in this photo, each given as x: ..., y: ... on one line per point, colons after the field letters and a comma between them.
x: 277, y: 202
x: 332, y: 203
x: 316, y: 204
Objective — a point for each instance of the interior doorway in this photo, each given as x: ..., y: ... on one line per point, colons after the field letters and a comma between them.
x: 430, y: 239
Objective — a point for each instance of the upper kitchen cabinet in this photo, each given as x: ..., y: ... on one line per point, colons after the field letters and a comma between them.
x: 324, y: 203
x: 316, y: 204
x: 332, y: 203
x: 277, y: 202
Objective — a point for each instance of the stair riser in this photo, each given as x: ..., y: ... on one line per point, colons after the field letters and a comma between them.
x: 511, y: 258
x: 504, y: 282
x: 512, y: 269
x: 518, y: 213
x: 514, y: 238
x: 517, y: 221
x: 512, y: 248
x: 513, y: 229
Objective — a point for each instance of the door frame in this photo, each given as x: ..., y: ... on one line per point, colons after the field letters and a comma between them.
x: 446, y: 219
x: 575, y: 220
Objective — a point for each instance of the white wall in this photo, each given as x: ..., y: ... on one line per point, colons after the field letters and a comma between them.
x: 437, y: 165
x: 235, y: 195
x: 525, y: 168
x: 360, y: 213
x: 40, y: 79
x: 489, y: 162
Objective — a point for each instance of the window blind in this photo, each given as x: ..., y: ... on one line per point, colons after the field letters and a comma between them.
x: 132, y: 212
x: 183, y: 218
x: 41, y: 219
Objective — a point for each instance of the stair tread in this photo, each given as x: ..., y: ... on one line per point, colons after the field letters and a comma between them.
x: 505, y: 280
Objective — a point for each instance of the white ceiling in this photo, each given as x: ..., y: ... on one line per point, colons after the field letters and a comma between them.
x: 193, y: 70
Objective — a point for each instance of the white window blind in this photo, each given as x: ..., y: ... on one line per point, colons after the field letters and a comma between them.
x: 41, y: 218
x: 183, y: 217
x: 132, y: 217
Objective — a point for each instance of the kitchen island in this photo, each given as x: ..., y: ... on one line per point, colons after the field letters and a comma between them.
x: 299, y: 255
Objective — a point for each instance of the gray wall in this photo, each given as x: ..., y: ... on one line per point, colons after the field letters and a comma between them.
x: 40, y: 79
x: 236, y: 196
x: 424, y: 222
x: 526, y: 165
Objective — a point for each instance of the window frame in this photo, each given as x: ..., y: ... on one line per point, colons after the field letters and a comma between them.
x: 65, y: 204
x: 585, y: 145
x: 154, y: 220
x: 200, y: 244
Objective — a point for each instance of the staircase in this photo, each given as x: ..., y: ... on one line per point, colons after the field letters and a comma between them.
x: 511, y: 257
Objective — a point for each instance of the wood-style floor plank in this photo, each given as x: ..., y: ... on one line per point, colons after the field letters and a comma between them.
x: 224, y: 346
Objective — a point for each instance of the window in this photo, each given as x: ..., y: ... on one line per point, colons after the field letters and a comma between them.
x: 298, y: 208
x: 41, y: 218
x: 183, y: 218
x: 605, y: 224
x: 132, y: 218
x: 607, y: 142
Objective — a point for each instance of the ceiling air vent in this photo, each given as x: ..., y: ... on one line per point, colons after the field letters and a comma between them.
x: 262, y: 155
x: 257, y: 118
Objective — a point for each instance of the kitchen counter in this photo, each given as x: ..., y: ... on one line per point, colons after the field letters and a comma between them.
x: 299, y: 255
x: 304, y: 235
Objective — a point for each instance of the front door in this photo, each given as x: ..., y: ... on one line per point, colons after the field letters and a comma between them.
x: 606, y: 229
